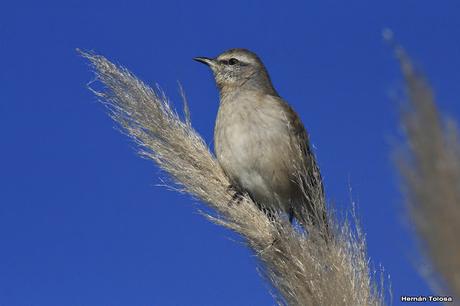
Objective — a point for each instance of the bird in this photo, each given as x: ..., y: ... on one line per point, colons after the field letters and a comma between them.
x: 261, y: 143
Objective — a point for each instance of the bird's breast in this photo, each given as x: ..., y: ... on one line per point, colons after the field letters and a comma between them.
x: 245, y: 132
x: 252, y: 145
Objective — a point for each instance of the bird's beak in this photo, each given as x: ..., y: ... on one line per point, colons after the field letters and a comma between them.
x: 206, y: 60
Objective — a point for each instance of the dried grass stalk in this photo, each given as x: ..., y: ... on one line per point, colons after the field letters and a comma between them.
x: 430, y: 169
x: 302, y: 269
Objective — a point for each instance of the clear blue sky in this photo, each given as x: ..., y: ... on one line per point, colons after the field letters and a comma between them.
x: 81, y: 220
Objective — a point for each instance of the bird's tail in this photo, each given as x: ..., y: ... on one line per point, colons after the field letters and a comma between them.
x: 311, y: 212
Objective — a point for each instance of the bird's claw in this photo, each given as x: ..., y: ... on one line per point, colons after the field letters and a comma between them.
x: 237, y: 196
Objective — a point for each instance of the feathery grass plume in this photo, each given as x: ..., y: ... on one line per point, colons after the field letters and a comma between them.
x: 430, y: 170
x: 303, y: 269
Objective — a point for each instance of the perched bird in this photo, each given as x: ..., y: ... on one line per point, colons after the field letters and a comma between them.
x: 261, y: 143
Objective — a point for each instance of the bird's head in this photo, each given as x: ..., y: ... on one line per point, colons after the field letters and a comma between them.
x: 238, y: 69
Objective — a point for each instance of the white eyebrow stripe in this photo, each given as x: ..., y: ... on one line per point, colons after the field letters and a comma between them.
x: 241, y: 57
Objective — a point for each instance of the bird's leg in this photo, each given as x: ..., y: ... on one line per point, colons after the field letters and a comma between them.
x: 291, y: 215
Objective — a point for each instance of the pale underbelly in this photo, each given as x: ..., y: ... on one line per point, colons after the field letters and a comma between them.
x: 258, y: 161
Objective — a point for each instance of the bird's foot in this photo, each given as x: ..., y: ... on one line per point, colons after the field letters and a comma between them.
x: 237, y: 196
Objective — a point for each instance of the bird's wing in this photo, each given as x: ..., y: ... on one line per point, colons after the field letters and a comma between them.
x: 310, y: 175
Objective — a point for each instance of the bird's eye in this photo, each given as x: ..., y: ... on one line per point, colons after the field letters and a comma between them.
x: 232, y: 61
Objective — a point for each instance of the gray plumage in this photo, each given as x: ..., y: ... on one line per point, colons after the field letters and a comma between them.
x: 260, y: 142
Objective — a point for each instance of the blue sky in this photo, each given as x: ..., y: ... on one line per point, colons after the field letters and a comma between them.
x: 81, y: 220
